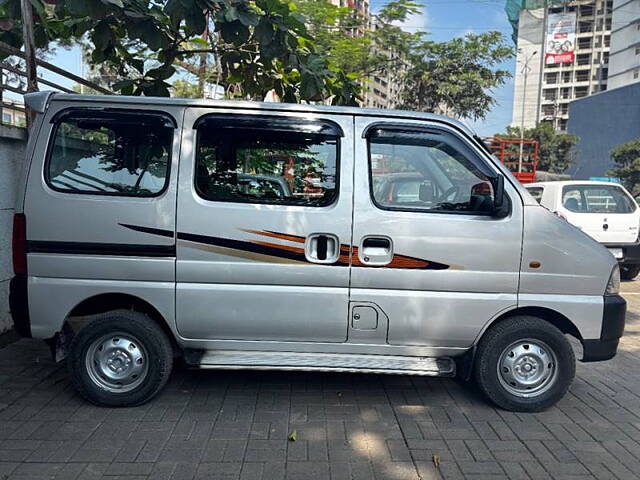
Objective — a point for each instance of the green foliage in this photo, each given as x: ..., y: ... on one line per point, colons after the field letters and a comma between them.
x: 627, y: 165
x: 456, y: 76
x: 185, y: 89
x: 555, y: 150
x: 259, y: 45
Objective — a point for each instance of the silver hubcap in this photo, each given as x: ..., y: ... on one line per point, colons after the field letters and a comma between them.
x: 527, y: 368
x: 117, y: 362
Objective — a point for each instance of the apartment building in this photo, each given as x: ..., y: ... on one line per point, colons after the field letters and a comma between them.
x: 624, y: 57
x: 563, y: 55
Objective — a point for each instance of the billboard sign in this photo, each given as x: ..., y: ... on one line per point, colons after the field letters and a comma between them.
x: 560, y: 41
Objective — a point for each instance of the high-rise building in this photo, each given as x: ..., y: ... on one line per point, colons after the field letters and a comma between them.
x: 624, y: 57
x: 563, y: 54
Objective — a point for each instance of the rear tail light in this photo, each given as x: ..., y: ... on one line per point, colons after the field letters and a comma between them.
x: 19, y: 244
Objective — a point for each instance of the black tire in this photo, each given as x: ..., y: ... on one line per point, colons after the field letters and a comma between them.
x: 500, y: 339
x: 629, y: 272
x: 129, y: 324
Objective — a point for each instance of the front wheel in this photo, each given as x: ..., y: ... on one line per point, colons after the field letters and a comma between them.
x: 121, y: 359
x: 629, y: 272
x: 524, y: 364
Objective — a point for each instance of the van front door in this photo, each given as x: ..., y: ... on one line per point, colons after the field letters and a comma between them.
x: 428, y: 251
x: 264, y: 217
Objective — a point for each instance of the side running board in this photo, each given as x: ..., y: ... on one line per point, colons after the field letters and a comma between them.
x: 323, y: 362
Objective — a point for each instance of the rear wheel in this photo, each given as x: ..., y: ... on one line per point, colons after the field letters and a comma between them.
x: 121, y: 359
x: 524, y: 364
x: 629, y: 272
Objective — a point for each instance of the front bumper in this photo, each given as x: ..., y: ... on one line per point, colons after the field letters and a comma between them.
x: 613, y: 317
x: 19, y: 305
x: 630, y: 252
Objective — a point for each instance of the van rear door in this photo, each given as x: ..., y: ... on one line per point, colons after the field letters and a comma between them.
x: 606, y: 212
x: 264, y: 216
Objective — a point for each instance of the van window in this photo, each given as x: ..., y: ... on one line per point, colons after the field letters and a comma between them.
x: 98, y: 153
x: 596, y: 199
x: 536, y: 192
x: 426, y: 171
x: 259, y: 165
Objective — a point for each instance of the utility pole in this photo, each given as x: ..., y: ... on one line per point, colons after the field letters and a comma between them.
x: 29, y: 53
x: 525, y: 71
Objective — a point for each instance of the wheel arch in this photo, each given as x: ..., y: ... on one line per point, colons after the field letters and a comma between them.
x: 555, y: 318
x: 85, y: 310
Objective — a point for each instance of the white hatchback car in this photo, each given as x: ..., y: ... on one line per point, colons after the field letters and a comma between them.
x: 603, y: 210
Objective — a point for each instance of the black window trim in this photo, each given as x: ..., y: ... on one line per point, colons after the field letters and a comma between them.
x: 267, y: 123
x: 411, y: 128
x: 111, y: 114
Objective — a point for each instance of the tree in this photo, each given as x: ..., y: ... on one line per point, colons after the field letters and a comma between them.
x: 185, y: 89
x: 626, y: 158
x: 257, y: 45
x: 455, y: 76
x: 555, y: 149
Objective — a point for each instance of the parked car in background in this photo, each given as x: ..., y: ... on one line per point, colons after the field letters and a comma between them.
x: 605, y: 211
x: 244, y: 235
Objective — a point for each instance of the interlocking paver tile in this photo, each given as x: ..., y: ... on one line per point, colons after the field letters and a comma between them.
x: 234, y: 425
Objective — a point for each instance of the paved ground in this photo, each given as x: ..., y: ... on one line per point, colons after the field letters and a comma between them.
x: 230, y: 425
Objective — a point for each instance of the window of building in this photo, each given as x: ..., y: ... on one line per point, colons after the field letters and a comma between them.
x: 566, y: 77
x: 605, y: 57
x: 562, y: 124
x: 549, y: 94
x: 110, y: 153
x: 636, y: 73
x: 6, y: 117
x: 582, y: 75
x: 431, y: 172
x: 267, y: 160
x: 584, y: 43
x: 607, y: 40
x: 565, y: 93
x: 582, y: 92
x: 584, y: 59
x: 551, y: 77
x: 637, y: 50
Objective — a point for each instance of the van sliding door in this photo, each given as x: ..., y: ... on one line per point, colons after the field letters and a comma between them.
x: 264, y: 214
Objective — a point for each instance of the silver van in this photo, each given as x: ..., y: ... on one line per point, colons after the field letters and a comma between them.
x: 242, y: 235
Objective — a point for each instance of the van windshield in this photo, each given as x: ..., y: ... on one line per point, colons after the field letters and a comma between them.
x: 596, y: 199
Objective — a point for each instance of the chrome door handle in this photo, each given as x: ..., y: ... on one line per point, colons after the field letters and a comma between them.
x: 322, y: 248
x: 376, y: 250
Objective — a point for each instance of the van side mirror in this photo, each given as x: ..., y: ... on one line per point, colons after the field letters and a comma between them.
x: 500, y: 204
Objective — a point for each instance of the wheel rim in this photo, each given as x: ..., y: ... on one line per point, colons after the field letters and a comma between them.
x: 117, y: 362
x: 527, y: 368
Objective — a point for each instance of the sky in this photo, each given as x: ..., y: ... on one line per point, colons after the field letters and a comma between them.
x: 443, y: 19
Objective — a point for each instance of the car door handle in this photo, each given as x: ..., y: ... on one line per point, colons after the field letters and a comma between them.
x: 376, y: 250
x: 322, y: 248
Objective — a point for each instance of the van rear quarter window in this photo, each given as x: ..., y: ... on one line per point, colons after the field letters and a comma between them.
x: 596, y: 199
x: 124, y: 154
x: 255, y: 164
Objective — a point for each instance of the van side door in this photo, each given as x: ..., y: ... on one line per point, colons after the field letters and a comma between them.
x: 429, y: 252
x: 264, y: 225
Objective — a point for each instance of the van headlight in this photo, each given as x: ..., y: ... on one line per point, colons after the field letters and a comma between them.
x: 613, y: 285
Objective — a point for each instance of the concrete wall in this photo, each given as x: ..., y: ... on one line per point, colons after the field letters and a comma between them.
x: 602, y: 122
x: 12, y: 148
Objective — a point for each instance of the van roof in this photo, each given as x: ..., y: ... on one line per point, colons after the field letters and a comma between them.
x: 39, y: 101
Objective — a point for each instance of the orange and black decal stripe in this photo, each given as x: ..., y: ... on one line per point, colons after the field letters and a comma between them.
x: 348, y: 253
